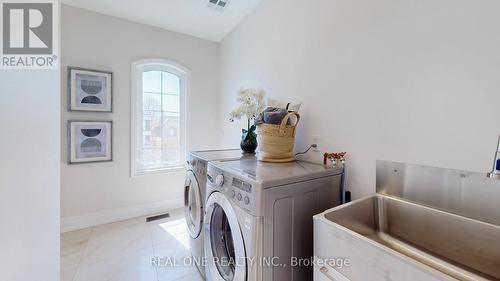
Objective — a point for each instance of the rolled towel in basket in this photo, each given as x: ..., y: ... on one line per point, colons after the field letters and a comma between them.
x: 271, y: 114
x: 275, y: 117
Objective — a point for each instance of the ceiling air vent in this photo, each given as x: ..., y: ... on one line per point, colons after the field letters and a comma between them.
x: 219, y: 5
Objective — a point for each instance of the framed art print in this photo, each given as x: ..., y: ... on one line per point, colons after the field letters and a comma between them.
x: 90, y: 90
x: 89, y: 141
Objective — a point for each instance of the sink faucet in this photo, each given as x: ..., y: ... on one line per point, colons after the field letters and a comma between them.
x: 495, y: 173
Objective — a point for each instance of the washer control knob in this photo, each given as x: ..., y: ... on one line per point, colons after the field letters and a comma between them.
x: 219, y: 180
x: 239, y: 196
x: 247, y: 200
x: 233, y: 193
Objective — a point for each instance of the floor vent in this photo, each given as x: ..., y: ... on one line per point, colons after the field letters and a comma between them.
x: 158, y: 217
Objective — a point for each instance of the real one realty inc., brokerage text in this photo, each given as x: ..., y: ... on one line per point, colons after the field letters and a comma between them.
x: 158, y: 261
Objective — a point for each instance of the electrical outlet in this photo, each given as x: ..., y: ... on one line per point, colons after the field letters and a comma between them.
x: 315, y: 140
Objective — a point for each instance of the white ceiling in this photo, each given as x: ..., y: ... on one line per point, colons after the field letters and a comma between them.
x: 191, y: 17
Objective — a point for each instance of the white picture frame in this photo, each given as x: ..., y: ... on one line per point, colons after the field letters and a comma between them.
x: 90, y: 90
x: 90, y: 141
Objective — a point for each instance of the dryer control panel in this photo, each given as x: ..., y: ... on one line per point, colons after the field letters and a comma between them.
x: 239, y: 184
x: 237, y: 190
x: 241, y: 190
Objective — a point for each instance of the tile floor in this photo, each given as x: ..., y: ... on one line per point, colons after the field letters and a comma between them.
x: 123, y: 251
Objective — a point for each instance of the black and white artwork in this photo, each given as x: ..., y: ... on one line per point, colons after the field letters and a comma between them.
x: 89, y: 141
x: 89, y: 90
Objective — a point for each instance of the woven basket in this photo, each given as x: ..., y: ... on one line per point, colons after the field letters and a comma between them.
x: 276, y: 141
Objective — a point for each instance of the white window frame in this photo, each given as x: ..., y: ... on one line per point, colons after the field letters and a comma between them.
x: 136, y: 108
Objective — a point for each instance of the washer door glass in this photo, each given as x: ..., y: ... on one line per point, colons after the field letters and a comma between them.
x: 222, y: 243
x: 224, y: 240
x: 192, y: 205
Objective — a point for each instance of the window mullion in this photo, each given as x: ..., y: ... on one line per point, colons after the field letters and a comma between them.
x: 161, y: 116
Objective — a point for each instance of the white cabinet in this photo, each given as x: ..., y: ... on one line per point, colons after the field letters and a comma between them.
x: 325, y: 273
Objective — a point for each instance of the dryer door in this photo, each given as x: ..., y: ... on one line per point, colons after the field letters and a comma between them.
x: 224, y: 245
x: 193, y: 205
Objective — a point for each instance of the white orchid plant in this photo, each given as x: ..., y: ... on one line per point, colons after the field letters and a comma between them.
x: 251, y: 105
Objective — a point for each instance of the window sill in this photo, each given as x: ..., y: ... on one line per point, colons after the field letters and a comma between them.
x: 170, y: 170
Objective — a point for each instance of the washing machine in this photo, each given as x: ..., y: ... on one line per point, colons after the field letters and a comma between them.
x: 194, y: 195
x: 258, y: 218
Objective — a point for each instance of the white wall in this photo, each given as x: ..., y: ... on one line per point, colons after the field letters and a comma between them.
x: 102, y: 192
x: 29, y: 175
x: 411, y: 81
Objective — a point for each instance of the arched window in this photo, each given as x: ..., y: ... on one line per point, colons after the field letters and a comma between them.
x: 159, y: 91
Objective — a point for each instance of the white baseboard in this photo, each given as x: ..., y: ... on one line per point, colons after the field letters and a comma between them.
x: 108, y: 216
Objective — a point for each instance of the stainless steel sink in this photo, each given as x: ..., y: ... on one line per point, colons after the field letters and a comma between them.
x: 459, y: 247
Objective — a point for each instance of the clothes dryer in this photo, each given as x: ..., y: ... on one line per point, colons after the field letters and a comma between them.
x: 259, y: 218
